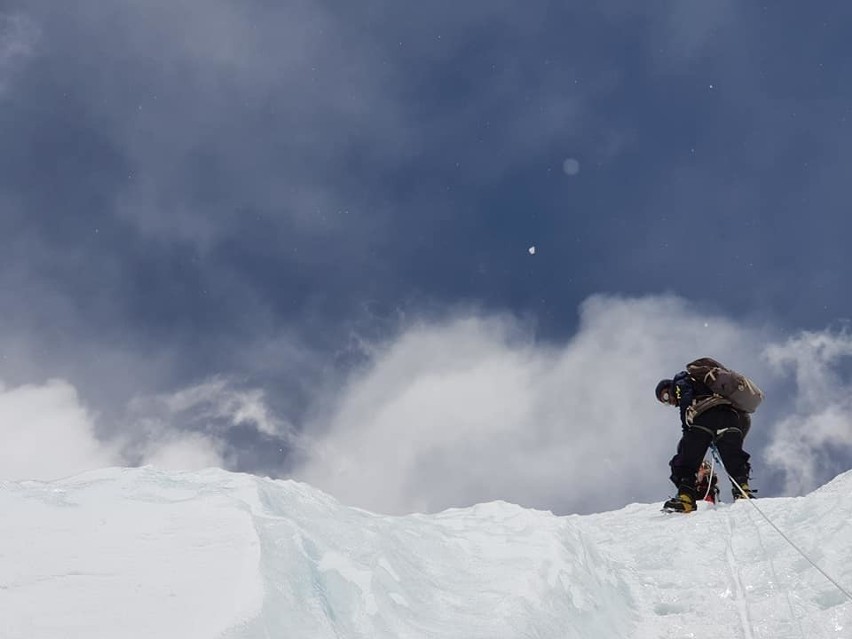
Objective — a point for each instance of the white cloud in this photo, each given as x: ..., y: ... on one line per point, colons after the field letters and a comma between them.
x: 188, y: 429
x: 47, y: 434
x: 185, y: 452
x: 818, y: 426
x: 472, y: 409
x: 216, y: 399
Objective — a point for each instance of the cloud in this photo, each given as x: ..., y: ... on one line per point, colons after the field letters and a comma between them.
x: 195, y: 427
x: 473, y: 409
x: 216, y: 169
x: 297, y: 113
x: 47, y: 434
x: 232, y: 181
x: 216, y: 400
x: 184, y: 452
x: 814, y: 441
x: 235, y: 109
x: 18, y: 39
x: 692, y: 25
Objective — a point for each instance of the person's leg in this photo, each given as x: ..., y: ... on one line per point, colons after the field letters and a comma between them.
x: 745, y: 423
x: 730, y: 427
x: 684, y: 466
x: 730, y: 446
x: 690, y: 451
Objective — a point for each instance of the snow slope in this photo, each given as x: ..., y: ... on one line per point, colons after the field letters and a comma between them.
x: 139, y: 553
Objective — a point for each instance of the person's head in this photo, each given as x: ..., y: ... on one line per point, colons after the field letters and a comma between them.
x: 665, y: 392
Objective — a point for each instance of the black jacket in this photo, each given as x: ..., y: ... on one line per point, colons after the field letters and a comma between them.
x: 689, y: 391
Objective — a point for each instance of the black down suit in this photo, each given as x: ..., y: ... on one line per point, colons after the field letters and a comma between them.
x: 722, y: 424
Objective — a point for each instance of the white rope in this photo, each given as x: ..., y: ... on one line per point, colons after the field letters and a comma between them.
x: 778, y: 530
x: 710, y: 477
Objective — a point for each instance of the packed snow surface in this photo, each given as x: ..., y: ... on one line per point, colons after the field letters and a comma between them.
x: 140, y: 553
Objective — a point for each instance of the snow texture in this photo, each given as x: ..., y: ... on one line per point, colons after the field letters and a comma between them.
x: 141, y: 553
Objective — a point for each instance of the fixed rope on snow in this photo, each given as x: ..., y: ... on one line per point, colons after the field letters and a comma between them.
x: 778, y: 530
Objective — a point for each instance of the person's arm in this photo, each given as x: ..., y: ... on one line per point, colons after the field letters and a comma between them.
x: 684, y: 393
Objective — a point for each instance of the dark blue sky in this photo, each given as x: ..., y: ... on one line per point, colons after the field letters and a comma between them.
x: 256, y: 189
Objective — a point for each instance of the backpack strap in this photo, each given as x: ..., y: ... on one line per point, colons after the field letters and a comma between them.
x: 704, y: 405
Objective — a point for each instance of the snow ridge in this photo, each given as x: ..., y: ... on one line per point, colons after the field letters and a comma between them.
x: 144, y: 553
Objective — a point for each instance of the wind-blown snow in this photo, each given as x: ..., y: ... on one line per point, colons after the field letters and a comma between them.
x: 127, y: 553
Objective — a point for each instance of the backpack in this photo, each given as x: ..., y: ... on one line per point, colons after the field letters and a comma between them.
x: 739, y: 390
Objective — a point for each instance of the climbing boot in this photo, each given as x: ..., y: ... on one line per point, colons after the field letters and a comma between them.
x: 738, y: 494
x: 683, y: 503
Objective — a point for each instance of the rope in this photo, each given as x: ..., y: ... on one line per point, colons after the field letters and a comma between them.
x: 710, y: 477
x: 778, y: 530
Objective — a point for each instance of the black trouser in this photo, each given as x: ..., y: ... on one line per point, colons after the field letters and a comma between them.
x: 723, y: 426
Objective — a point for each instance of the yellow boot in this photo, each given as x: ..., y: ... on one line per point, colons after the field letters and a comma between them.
x: 683, y: 503
x: 749, y: 493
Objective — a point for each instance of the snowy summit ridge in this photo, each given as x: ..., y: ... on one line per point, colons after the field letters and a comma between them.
x: 135, y: 553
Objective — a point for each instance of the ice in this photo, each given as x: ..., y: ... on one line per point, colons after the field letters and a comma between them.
x: 143, y: 553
